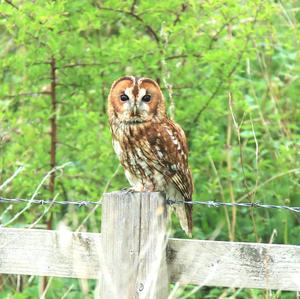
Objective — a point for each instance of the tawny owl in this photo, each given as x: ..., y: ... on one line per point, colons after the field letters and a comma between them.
x: 151, y: 147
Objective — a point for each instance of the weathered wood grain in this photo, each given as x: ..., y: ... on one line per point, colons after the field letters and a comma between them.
x: 210, y: 263
x: 234, y: 264
x: 134, y: 246
x: 204, y: 263
x: 49, y: 253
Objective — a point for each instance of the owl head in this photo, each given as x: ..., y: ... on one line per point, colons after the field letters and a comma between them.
x: 135, y: 101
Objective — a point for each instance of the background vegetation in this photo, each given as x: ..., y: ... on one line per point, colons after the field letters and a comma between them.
x: 230, y: 74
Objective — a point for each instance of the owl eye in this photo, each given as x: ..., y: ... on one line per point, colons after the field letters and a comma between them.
x: 146, y: 98
x: 124, y: 97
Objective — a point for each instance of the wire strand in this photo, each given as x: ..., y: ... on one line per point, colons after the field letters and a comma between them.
x: 211, y: 204
x: 217, y: 204
x: 49, y: 201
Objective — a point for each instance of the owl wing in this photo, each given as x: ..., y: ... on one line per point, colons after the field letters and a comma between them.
x: 168, y: 145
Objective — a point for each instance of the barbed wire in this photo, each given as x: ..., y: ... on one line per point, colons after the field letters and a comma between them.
x: 214, y: 204
x: 49, y: 201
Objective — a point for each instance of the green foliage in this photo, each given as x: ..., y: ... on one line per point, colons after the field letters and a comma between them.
x: 229, y: 71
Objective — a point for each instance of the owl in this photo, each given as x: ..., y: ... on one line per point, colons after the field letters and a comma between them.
x: 150, y: 146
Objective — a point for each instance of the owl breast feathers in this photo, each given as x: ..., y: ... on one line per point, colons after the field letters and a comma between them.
x: 149, y: 145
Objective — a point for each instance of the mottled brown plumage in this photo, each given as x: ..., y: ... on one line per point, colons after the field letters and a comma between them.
x: 150, y: 146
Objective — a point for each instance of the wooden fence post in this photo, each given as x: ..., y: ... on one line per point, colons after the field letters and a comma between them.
x: 134, y: 237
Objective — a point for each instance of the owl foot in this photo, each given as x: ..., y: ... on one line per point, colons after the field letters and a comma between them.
x: 128, y: 190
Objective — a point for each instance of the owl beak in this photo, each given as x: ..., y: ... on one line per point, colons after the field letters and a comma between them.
x: 134, y: 110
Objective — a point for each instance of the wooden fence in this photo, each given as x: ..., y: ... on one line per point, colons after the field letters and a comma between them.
x: 134, y: 258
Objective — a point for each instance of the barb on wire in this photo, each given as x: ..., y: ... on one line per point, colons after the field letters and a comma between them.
x: 83, y: 203
x: 215, y: 204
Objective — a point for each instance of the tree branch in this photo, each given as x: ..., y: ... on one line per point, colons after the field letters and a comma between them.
x: 11, y: 4
x: 53, y: 124
x: 149, y: 29
x: 239, y: 59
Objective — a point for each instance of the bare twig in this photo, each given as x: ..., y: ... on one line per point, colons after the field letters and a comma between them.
x: 99, y: 200
x: 31, y: 200
x: 222, y: 194
x: 206, y: 104
x: 133, y: 6
x: 53, y: 126
x: 53, y: 141
x: 11, y: 4
x: 149, y: 29
x: 183, y: 8
x: 21, y: 168
x: 232, y: 71
x: 295, y: 170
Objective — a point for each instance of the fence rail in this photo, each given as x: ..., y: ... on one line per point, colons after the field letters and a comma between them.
x: 131, y: 226
x: 209, y: 263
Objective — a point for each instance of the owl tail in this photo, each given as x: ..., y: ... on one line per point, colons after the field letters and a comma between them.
x: 184, y: 213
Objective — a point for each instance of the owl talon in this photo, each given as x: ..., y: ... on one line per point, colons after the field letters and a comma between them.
x: 128, y: 190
